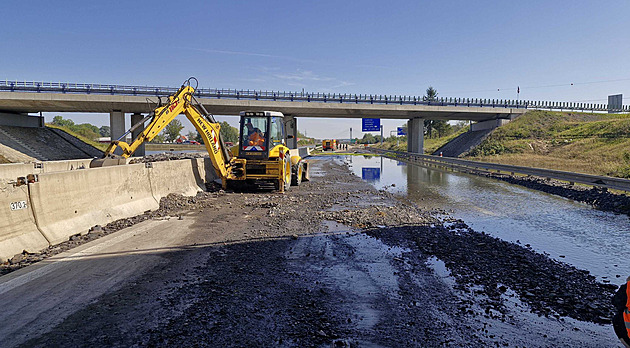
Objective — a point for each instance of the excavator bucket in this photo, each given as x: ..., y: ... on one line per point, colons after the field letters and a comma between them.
x: 107, y: 161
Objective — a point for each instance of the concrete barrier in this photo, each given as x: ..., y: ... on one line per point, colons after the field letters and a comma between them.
x: 302, y: 152
x: 18, y: 230
x: 64, y: 202
x: 67, y: 203
x: 10, y: 172
x: 207, y: 171
x: 61, y: 166
x: 185, y: 177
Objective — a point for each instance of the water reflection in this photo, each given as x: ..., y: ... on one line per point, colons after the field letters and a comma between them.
x: 418, y: 177
x: 371, y: 174
x: 569, y: 231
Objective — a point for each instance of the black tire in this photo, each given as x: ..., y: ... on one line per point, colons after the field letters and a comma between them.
x: 296, y: 177
x: 287, y: 184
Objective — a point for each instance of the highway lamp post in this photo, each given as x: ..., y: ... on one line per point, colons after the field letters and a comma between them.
x: 381, y: 134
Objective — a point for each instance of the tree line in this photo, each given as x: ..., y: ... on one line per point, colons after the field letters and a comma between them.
x: 174, y: 129
x: 86, y: 130
x: 169, y: 134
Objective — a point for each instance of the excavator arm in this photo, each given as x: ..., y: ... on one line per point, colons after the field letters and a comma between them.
x: 224, y: 164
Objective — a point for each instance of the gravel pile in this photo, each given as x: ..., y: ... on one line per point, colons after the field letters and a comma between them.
x: 168, y: 156
x: 549, y: 287
x: 378, y: 216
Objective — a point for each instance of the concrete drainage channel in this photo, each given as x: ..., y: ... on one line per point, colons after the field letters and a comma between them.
x: 58, y: 202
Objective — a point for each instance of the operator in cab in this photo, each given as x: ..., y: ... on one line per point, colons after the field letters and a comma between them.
x: 255, y: 136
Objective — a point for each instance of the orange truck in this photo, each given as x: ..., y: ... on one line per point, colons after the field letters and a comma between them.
x: 329, y: 144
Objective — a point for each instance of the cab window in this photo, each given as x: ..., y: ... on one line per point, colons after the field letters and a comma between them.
x: 253, y: 132
x: 276, y: 132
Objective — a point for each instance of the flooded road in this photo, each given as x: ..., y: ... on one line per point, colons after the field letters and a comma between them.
x: 333, y: 263
x: 567, y: 231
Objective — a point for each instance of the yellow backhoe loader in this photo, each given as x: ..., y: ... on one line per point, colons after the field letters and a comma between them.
x: 262, y: 159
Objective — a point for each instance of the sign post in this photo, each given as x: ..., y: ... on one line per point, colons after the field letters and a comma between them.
x: 400, y: 131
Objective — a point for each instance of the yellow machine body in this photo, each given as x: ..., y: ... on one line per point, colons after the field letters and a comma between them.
x: 274, y: 165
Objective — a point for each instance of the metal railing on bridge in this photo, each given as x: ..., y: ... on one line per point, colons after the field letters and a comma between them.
x: 460, y: 164
x: 213, y: 93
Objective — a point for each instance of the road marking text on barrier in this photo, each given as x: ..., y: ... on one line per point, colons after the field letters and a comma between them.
x: 18, y: 205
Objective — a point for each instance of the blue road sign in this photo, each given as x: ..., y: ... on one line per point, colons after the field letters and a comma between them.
x: 371, y: 174
x: 401, y: 131
x: 371, y: 124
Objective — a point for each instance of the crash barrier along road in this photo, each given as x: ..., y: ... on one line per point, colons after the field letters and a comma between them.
x: 456, y: 163
x: 18, y: 230
x: 10, y: 172
x: 53, y: 206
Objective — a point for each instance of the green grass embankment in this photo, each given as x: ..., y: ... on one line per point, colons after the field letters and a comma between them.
x: 577, y: 142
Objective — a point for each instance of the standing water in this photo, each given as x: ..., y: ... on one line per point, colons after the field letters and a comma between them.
x: 567, y: 231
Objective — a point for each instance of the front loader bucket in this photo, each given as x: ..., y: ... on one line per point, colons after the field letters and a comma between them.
x: 108, y: 161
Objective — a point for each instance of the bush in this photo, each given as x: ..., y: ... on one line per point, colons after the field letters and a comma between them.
x: 86, y: 130
x: 621, y: 172
x: 489, y: 148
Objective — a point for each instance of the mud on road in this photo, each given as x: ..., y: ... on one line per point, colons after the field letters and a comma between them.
x: 335, y: 262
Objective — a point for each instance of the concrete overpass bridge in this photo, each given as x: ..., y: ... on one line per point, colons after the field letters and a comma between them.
x: 20, y: 98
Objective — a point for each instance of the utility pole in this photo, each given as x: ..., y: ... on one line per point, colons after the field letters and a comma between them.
x: 350, y: 135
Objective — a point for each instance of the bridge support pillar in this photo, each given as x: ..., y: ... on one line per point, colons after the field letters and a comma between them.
x: 415, y: 135
x: 290, y: 126
x: 135, y: 118
x: 117, y: 126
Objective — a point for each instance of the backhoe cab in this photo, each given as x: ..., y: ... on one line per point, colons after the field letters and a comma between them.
x: 263, y: 157
x: 263, y: 144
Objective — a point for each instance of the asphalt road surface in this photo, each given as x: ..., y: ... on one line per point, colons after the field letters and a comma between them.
x: 333, y: 262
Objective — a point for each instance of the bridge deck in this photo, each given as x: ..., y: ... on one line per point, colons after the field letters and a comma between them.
x: 24, y: 97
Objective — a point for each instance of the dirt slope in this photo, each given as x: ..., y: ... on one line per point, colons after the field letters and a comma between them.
x: 587, y: 143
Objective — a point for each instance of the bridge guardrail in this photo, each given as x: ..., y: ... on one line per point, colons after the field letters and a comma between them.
x: 213, y: 93
x: 587, y: 179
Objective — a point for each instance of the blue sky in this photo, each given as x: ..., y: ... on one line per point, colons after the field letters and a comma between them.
x: 480, y: 49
